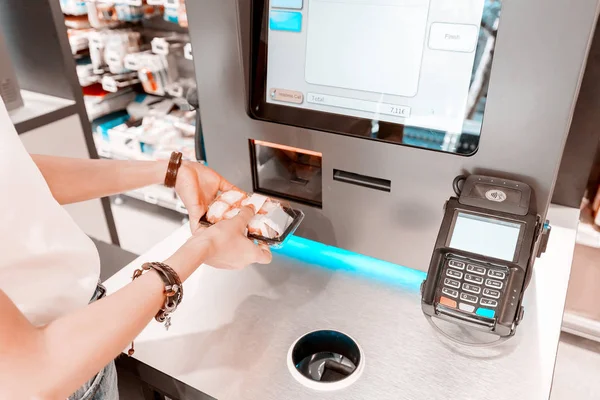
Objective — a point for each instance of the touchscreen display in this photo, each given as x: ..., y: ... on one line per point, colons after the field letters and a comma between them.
x: 415, y: 63
x: 486, y: 236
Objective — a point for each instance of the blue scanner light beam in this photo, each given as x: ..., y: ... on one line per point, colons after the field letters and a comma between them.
x: 337, y: 259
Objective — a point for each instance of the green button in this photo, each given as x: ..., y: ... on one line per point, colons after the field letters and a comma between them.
x: 486, y: 312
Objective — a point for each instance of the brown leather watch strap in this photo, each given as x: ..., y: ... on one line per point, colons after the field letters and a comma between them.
x: 173, y: 169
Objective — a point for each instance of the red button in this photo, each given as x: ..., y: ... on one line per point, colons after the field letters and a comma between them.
x: 448, y: 302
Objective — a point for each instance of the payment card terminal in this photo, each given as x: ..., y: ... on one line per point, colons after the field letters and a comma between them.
x: 483, y: 255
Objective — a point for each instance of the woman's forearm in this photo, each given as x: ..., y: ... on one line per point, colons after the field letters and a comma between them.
x: 69, y: 351
x: 72, y: 180
x: 80, y: 344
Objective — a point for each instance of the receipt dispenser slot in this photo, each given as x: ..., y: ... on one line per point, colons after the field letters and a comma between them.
x: 287, y: 172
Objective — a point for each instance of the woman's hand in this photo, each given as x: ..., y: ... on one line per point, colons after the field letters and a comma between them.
x: 230, y: 247
x: 223, y: 245
x: 197, y: 186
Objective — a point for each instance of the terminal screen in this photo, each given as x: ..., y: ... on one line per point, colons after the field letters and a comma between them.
x: 489, y: 237
x: 419, y: 64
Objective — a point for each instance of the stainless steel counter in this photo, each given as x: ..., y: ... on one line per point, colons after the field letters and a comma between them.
x: 232, y: 333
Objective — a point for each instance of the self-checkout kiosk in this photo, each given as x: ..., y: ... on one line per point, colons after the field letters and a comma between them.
x: 416, y: 136
x: 363, y: 112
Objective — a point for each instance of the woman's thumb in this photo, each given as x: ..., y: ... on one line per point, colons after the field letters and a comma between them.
x: 264, y: 255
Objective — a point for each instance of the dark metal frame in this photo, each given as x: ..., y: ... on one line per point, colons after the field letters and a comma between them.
x: 258, y: 108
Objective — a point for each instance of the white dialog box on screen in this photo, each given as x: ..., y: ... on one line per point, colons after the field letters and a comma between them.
x: 368, y: 45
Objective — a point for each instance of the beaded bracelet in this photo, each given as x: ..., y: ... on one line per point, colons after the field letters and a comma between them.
x: 173, y: 292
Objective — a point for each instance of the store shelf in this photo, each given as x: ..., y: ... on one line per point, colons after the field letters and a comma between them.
x: 130, y: 76
x: 582, y: 315
x: 587, y: 235
x: 155, y: 194
x: 106, y: 151
x: 581, y: 326
x: 158, y: 195
x: 187, y: 51
x: 40, y: 110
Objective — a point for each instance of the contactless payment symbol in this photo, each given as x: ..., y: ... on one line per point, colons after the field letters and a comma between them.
x: 495, y: 195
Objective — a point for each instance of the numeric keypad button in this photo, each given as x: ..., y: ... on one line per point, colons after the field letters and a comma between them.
x: 451, y: 283
x: 494, y: 294
x: 493, y: 284
x: 456, y: 264
x: 496, y: 274
x: 469, y: 297
x: 450, y: 292
x: 471, y: 288
x: 454, y: 274
x: 488, y: 302
x: 476, y: 269
x: 474, y: 278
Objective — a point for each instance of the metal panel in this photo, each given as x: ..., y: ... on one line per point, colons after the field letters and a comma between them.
x: 234, y: 347
x: 541, y: 49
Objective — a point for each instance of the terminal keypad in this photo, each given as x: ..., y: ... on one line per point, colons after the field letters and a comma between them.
x: 472, y: 287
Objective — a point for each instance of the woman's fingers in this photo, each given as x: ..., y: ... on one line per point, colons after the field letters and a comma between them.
x: 225, y: 185
x: 195, y: 212
x: 243, y: 218
x: 264, y: 255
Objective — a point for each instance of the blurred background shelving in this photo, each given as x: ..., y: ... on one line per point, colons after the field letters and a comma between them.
x: 134, y: 65
x: 582, y: 310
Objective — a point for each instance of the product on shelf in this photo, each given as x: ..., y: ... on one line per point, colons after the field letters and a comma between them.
x: 156, y: 131
x: 182, y: 15
x: 168, y: 44
x: 74, y: 7
x: 79, y: 39
x: 158, y: 72
x: 113, y: 83
x: 187, y: 51
x: 175, y: 12
x: 102, y: 13
x: 77, y: 22
x: 96, y: 17
x: 109, y: 48
x: 99, y: 102
x: 135, y: 61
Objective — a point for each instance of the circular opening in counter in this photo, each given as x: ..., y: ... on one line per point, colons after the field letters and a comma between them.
x: 326, y: 360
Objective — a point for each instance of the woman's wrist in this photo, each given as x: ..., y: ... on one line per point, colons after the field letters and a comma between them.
x: 190, y: 256
x: 161, y: 170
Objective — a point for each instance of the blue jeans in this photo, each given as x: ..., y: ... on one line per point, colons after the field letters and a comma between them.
x: 104, y: 385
